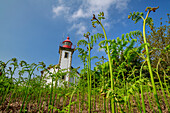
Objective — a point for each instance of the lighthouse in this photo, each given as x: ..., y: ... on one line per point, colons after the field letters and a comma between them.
x: 66, y: 51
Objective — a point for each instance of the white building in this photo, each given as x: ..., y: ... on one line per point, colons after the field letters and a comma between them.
x: 66, y: 51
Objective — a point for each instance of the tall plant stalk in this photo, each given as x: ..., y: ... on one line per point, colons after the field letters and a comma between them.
x: 141, y: 88
x: 89, y: 79
x: 162, y: 89
x: 110, y: 61
x: 136, y: 17
x: 89, y: 44
x: 149, y: 64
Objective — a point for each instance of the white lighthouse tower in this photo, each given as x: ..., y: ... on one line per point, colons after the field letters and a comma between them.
x: 66, y: 51
x: 66, y: 54
x: 65, y: 60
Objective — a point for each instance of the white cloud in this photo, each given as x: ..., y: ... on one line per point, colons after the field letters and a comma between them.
x: 76, y: 10
x: 60, y: 10
x: 79, y: 14
x: 81, y: 28
x: 88, y: 7
x: 122, y: 4
x: 60, y: 1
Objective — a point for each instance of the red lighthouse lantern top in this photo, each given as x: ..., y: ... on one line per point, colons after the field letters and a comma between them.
x: 67, y: 43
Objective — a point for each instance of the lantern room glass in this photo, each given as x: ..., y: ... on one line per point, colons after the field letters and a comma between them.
x: 67, y: 43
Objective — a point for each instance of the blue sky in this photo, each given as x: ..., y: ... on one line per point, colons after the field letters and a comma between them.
x: 32, y: 30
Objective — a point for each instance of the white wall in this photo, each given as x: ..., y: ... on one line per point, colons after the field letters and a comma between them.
x: 65, y: 62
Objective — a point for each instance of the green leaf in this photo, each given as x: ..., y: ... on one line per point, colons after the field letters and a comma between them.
x: 82, y: 42
x: 102, y: 43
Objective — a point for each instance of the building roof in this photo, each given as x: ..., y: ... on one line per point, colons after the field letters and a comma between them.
x: 56, y: 66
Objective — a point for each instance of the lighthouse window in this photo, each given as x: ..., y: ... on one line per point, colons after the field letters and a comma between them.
x: 63, y: 77
x: 66, y: 55
x: 67, y: 43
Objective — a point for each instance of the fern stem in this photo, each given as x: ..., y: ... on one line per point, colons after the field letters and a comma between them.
x: 149, y: 65
x: 110, y: 68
